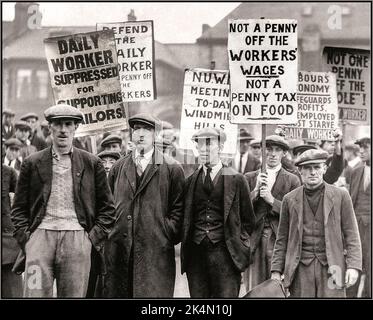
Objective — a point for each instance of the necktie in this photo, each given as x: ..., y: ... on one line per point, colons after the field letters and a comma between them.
x: 139, y: 169
x: 208, y: 185
x: 240, y: 166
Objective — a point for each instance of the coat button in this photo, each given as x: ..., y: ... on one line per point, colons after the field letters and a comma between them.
x: 78, y: 174
x: 129, y: 217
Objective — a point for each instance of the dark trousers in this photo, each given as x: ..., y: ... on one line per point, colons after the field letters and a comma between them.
x: 211, y: 271
x: 11, y: 283
x: 260, y: 270
x: 313, y: 281
x: 364, y: 223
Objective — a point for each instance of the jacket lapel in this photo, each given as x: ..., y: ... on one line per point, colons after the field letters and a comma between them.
x: 355, y: 190
x: 229, y: 191
x: 328, y: 202
x: 189, y: 200
x: 279, y: 184
x: 44, y: 167
x: 298, y: 208
x: 129, y: 170
x: 77, y: 165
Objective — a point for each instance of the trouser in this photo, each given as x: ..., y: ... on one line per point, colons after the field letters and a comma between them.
x: 11, y: 283
x: 314, y: 281
x: 61, y: 255
x: 211, y: 271
x: 260, y: 270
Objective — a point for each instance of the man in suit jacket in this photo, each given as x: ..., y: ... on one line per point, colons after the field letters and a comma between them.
x: 218, y: 220
x: 361, y: 193
x: 244, y: 161
x: 147, y: 187
x: 63, y: 208
x: 318, y: 237
x: 268, y: 189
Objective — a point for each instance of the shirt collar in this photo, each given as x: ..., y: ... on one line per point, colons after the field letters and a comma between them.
x: 57, y: 155
x: 352, y: 163
x: 214, y: 169
x: 147, y: 155
x: 275, y: 169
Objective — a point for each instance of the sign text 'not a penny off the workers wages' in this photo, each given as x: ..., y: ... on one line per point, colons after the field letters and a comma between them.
x: 262, y: 57
x: 84, y: 74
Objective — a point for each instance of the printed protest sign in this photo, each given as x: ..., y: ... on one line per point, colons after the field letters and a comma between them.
x: 352, y: 70
x: 135, y: 50
x: 317, y: 107
x: 84, y: 73
x: 263, y: 67
x: 206, y: 104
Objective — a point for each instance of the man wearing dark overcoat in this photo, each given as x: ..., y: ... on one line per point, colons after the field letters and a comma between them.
x: 361, y: 195
x: 218, y: 220
x: 317, y: 250
x: 268, y: 189
x: 147, y: 187
x: 62, y: 212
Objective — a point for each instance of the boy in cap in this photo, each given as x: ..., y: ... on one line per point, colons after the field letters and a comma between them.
x: 7, y: 129
x: 22, y: 133
x: 317, y: 249
x: 13, y: 154
x: 268, y: 189
x: 108, y: 159
x: 256, y: 149
x: 361, y: 194
x: 112, y: 142
x: 147, y: 187
x: 32, y: 119
x: 218, y: 221
x: 63, y: 210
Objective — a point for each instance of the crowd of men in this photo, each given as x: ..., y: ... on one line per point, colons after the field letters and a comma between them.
x: 106, y: 225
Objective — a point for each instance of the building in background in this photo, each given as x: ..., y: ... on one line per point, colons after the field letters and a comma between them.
x: 26, y: 84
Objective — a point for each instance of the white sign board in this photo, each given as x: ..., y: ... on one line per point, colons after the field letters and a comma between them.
x: 263, y: 67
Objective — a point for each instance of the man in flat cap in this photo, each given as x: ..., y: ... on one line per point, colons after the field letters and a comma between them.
x: 33, y: 120
x: 108, y: 159
x: 46, y: 132
x: 12, y: 156
x: 22, y: 133
x: 218, y: 221
x: 147, y: 187
x: 256, y: 149
x: 7, y: 128
x: 244, y: 161
x: 268, y: 190
x: 318, y: 248
x: 63, y: 210
x: 361, y: 194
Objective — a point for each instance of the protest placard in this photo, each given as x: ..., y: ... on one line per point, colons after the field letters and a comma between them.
x: 84, y: 73
x: 206, y: 104
x: 135, y: 49
x: 352, y: 70
x: 317, y: 107
x: 262, y: 58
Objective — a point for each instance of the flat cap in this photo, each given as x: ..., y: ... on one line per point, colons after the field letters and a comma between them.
x: 363, y: 141
x: 276, y: 140
x: 245, y: 135
x: 302, y: 148
x: 9, y: 112
x: 63, y: 111
x: 166, y: 125
x: 143, y: 118
x: 22, y: 125
x: 112, y: 154
x: 13, y: 142
x: 210, y: 133
x: 311, y: 156
x: 256, y: 143
x: 29, y: 115
x: 111, y: 138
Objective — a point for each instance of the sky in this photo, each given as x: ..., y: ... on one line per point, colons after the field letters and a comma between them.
x: 174, y: 22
